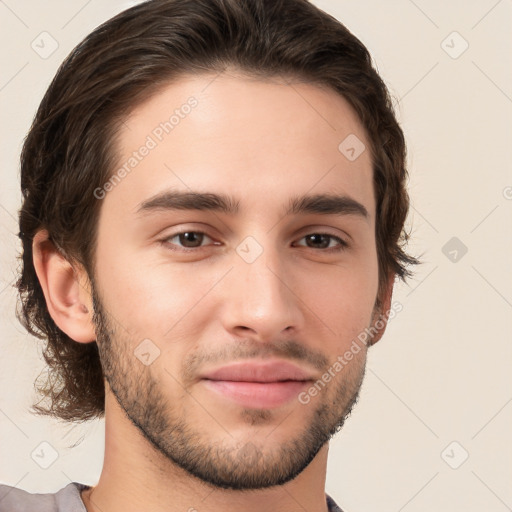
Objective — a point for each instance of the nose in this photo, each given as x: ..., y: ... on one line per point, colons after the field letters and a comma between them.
x: 260, y: 300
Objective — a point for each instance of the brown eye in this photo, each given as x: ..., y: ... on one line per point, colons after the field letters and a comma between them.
x: 323, y: 241
x: 318, y: 241
x: 191, y: 238
x: 187, y: 239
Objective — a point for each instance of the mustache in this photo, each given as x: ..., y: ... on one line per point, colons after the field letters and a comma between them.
x: 249, y: 349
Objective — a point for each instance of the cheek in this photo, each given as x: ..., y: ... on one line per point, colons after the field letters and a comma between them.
x: 149, y: 298
x: 343, y: 300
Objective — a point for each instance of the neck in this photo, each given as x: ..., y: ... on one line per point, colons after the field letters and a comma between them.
x: 136, y: 476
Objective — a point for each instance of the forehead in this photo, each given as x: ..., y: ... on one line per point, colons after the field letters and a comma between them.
x: 261, y: 141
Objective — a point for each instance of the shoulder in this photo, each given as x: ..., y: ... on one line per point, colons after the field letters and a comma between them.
x: 66, y: 499
x: 331, y: 505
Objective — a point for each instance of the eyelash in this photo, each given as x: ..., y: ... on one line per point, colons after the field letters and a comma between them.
x: 343, y: 245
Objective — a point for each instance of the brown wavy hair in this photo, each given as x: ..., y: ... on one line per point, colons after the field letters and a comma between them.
x: 68, y: 151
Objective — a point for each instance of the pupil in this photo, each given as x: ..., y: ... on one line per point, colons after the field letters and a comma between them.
x: 316, y: 238
x: 191, y: 237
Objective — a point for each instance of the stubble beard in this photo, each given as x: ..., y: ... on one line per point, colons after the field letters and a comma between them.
x: 227, y: 464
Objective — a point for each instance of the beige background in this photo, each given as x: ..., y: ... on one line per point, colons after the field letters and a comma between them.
x: 442, y: 371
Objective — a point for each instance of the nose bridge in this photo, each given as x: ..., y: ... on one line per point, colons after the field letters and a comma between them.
x: 260, y: 290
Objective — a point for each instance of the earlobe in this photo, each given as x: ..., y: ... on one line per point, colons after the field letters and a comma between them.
x: 380, y: 316
x: 65, y: 289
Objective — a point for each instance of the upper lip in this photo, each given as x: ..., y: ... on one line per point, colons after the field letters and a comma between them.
x: 268, y: 371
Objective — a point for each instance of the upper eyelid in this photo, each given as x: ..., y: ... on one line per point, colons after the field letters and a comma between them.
x: 314, y: 228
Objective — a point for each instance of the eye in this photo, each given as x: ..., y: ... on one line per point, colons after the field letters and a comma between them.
x: 324, y: 241
x: 187, y: 239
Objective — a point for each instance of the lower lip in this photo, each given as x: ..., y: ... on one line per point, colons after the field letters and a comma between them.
x: 258, y: 395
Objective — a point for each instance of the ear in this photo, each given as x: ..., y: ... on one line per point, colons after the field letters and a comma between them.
x: 381, y: 314
x: 66, y: 289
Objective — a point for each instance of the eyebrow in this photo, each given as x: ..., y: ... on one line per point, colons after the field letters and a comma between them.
x: 324, y: 204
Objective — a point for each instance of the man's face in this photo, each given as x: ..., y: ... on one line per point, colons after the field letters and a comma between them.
x: 250, y: 290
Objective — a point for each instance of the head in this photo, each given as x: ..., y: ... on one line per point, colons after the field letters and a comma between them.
x: 279, y: 243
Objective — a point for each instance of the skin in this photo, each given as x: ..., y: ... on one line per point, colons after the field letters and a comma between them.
x: 263, y: 143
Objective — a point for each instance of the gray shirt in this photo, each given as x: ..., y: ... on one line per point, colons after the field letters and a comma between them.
x: 68, y: 499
